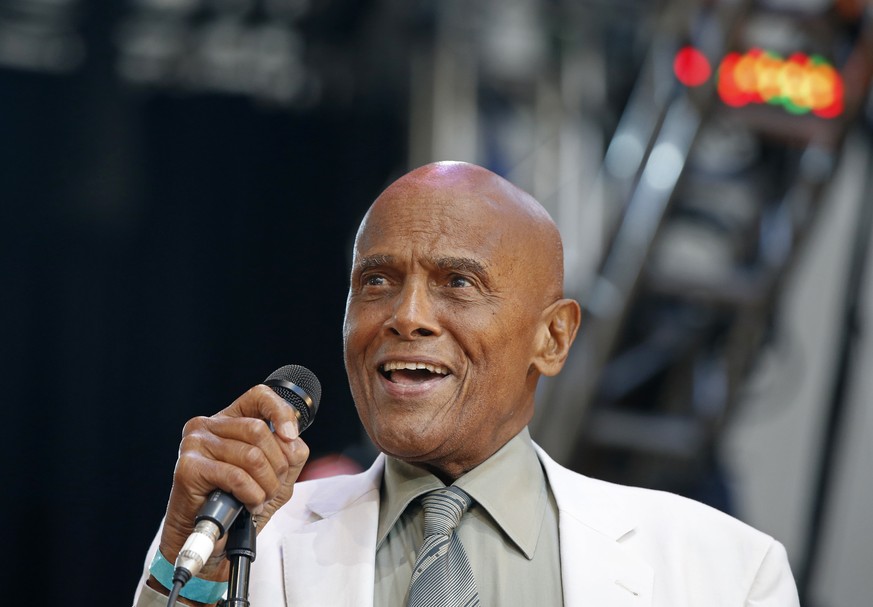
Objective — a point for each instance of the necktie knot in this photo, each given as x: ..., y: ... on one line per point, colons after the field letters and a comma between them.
x: 442, y: 576
x: 443, y: 509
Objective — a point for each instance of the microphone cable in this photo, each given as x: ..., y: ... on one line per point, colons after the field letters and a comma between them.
x: 174, y: 594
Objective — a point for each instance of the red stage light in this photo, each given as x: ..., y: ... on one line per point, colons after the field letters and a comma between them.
x: 691, y: 66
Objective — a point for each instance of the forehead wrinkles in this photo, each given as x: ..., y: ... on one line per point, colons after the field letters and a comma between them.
x: 437, y: 228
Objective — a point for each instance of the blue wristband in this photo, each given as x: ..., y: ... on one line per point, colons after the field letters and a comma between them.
x: 197, y: 589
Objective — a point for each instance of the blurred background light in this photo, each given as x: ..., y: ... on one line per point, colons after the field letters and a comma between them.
x: 691, y: 66
x: 799, y: 84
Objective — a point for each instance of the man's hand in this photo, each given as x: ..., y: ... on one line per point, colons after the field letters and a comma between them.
x: 234, y: 451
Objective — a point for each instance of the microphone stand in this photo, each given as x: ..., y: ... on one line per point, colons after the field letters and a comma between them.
x: 240, y: 550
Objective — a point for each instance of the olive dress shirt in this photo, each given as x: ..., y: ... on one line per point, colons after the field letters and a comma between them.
x: 510, y: 533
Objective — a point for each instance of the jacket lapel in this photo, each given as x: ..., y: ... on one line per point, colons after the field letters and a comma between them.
x: 596, y: 567
x: 329, y: 559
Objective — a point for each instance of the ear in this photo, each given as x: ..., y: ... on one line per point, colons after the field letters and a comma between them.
x: 560, y: 322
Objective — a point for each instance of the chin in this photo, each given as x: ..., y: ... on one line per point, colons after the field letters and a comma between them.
x: 408, y: 445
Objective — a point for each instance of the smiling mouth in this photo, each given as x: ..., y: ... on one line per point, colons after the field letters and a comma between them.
x: 411, y: 373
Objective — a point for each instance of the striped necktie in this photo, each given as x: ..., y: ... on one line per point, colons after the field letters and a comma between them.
x: 442, y: 576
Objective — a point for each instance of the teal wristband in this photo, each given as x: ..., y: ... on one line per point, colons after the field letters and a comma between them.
x: 197, y: 589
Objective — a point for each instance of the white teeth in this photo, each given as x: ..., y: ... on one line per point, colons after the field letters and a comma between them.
x: 396, y: 365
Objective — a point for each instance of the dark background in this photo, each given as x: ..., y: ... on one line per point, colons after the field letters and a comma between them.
x: 161, y: 252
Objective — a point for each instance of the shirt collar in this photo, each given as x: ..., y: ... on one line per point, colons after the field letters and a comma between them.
x: 510, y: 486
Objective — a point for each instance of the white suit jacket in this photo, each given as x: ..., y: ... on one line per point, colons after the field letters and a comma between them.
x: 620, y: 546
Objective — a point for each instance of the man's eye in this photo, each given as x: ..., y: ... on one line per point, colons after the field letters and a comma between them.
x: 459, y: 282
x: 374, y: 280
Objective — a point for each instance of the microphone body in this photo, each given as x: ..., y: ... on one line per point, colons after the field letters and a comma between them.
x: 299, y: 387
x: 213, y: 520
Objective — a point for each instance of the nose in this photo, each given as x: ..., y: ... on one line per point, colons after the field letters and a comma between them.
x: 413, y: 312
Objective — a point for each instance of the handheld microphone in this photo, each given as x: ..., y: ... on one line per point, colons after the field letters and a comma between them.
x: 299, y: 387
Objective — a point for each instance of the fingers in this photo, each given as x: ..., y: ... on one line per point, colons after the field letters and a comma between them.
x: 236, y: 451
x: 202, y: 469
x: 261, y: 402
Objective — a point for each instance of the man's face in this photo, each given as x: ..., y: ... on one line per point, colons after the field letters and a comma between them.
x: 441, y: 324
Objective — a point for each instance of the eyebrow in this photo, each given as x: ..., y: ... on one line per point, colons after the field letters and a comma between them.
x: 374, y: 261
x: 458, y: 264
x: 461, y: 264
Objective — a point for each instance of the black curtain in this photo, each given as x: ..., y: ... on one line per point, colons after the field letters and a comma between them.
x: 161, y: 252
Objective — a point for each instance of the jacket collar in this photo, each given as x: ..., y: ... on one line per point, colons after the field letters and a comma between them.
x: 329, y: 560
x: 338, y: 493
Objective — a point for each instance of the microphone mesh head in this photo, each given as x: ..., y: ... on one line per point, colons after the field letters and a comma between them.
x: 304, y: 379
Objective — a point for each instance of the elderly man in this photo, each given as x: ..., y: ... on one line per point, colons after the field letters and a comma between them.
x: 455, y: 310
